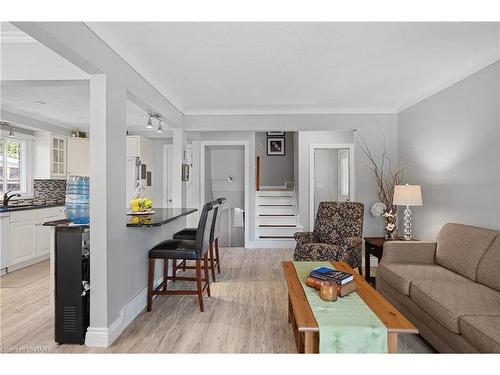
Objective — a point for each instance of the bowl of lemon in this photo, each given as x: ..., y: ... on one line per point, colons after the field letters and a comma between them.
x: 141, y: 206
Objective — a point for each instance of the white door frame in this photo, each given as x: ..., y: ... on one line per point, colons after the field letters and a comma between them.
x: 352, y: 175
x: 246, y: 145
x: 165, y: 174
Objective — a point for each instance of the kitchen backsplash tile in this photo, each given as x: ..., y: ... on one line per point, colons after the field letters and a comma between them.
x: 49, y: 190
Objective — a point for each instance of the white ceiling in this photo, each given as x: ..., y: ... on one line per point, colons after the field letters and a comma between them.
x: 66, y: 106
x: 33, y: 73
x: 221, y: 68
x: 67, y: 103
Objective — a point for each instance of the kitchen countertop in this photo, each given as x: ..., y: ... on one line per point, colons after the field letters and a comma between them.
x: 160, y: 217
x: 63, y: 223
x: 29, y: 207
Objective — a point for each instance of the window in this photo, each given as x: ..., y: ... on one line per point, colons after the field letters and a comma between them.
x: 12, y: 165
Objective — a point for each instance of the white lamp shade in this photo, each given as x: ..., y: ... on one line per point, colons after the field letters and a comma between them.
x: 407, y: 195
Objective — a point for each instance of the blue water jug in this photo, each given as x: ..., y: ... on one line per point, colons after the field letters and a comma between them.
x: 78, y: 199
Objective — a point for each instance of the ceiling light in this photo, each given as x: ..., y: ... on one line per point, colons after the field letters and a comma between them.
x: 11, y: 133
x: 160, y: 129
x: 150, y: 124
x: 40, y: 102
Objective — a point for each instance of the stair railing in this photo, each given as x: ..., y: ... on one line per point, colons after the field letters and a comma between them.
x: 257, y: 174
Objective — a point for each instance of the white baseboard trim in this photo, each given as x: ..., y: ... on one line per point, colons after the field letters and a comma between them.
x: 27, y: 263
x: 278, y: 244
x: 104, y: 337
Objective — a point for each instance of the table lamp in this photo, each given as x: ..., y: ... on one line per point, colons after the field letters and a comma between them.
x: 407, y: 195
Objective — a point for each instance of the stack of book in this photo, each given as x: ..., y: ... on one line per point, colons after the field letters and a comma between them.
x: 345, y: 281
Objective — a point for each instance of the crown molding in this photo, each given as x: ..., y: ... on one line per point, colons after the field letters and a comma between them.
x: 295, y: 111
x: 16, y: 37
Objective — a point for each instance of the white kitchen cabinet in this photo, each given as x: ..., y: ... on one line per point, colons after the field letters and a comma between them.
x: 22, y: 241
x: 133, y: 146
x: 58, y: 161
x: 50, y: 156
x: 4, y: 241
x: 29, y: 240
x: 43, y: 234
x: 78, y: 159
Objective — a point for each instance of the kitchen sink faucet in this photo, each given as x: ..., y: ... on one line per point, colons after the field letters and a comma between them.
x: 7, y: 198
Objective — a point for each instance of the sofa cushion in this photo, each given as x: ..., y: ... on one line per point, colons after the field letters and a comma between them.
x: 401, y: 275
x: 447, y: 301
x: 461, y: 247
x: 487, y: 272
x: 483, y: 332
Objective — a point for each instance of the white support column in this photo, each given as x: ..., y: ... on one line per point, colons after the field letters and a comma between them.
x: 107, y: 197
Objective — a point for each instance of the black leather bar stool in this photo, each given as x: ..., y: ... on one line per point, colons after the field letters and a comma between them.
x: 190, y: 234
x: 179, y: 249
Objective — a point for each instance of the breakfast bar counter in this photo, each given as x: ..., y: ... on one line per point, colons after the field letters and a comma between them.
x: 159, y: 217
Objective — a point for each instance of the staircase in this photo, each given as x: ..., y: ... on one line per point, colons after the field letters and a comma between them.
x: 276, y: 219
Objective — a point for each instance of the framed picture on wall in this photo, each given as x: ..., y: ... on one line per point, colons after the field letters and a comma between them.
x: 276, y: 146
x: 275, y: 133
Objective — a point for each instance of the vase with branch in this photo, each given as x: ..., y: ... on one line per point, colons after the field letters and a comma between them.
x: 386, y: 178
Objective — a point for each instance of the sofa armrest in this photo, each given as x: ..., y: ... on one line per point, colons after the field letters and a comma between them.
x: 303, y: 237
x: 409, y: 252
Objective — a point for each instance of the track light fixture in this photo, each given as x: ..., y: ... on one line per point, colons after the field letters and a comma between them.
x: 6, y: 124
x: 156, y: 116
x: 160, y: 129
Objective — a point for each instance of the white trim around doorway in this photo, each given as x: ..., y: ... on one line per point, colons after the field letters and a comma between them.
x: 246, y: 145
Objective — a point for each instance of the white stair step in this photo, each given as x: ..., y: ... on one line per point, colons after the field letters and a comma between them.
x: 272, y: 238
x: 275, y: 193
x: 275, y: 200
x: 278, y: 220
x: 276, y: 210
x: 278, y: 232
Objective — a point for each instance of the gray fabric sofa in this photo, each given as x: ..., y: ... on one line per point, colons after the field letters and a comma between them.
x: 450, y: 289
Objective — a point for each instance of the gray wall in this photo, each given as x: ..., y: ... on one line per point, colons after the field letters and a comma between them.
x: 275, y: 169
x: 450, y: 143
x: 375, y: 128
x: 325, y: 176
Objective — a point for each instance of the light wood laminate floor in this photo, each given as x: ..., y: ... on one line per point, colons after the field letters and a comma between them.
x: 247, y: 313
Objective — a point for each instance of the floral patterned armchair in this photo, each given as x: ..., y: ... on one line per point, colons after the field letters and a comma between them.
x: 337, y: 234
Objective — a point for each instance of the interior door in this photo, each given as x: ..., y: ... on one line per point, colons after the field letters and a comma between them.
x: 168, y: 180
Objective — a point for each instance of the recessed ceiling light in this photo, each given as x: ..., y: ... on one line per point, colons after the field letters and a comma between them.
x: 40, y: 102
x: 80, y: 116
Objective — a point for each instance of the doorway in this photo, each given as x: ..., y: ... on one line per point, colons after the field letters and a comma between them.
x: 224, y: 172
x: 331, y: 175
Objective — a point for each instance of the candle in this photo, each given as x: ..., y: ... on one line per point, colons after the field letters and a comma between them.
x: 328, y: 291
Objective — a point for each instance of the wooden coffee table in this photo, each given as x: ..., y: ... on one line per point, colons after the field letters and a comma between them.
x: 306, y: 329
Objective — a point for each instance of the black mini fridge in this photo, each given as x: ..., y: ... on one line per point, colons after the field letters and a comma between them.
x: 72, y: 284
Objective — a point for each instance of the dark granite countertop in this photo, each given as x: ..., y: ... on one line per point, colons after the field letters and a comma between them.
x: 161, y: 216
x: 63, y: 223
x: 29, y: 207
